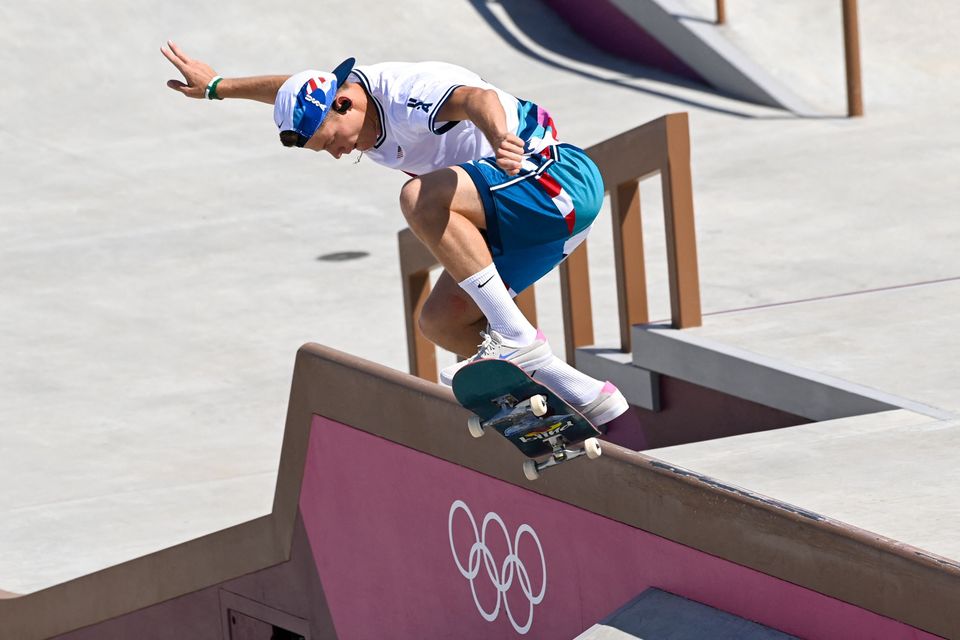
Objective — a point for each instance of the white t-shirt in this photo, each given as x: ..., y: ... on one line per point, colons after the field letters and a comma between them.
x: 407, y: 97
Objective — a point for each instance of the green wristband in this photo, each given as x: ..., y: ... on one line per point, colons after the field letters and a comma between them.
x: 212, y: 89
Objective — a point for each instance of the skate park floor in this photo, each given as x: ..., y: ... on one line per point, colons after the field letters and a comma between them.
x: 155, y: 254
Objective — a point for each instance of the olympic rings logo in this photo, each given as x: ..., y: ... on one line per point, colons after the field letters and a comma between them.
x: 502, y: 576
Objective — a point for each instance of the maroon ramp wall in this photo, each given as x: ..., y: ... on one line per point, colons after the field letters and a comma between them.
x: 438, y: 550
x: 390, y: 521
x: 602, y: 24
x: 691, y: 413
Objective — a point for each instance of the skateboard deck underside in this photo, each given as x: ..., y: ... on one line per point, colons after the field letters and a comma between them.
x: 478, y: 385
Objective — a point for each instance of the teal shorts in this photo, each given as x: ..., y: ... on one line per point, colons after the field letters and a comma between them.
x: 538, y: 217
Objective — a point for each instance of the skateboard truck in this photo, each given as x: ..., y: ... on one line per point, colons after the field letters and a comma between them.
x: 561, y: 453
x: 513, y: 413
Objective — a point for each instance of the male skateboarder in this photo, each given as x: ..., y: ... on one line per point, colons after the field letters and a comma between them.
x: 494, y: 194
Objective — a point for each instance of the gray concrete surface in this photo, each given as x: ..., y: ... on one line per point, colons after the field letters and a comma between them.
x: 158, y: 256
x: 772, y: 381
x: 705, y: 49
x: 892, y: 474
x: 896, y: 341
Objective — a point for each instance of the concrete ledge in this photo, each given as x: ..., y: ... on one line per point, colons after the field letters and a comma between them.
x: 704, y: 49
x: 639, y: 386
x: 751, y: 376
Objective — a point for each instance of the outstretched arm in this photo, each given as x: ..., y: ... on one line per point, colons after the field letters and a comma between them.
x: 483, y: 108
x: 199, y: 74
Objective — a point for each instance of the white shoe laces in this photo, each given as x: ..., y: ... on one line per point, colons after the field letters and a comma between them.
x: 487, y: 347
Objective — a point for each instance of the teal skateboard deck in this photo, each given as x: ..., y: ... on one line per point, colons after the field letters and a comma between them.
x: 530, y: 415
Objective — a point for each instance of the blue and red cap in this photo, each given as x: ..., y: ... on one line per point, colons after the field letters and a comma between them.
x: 305, y: 98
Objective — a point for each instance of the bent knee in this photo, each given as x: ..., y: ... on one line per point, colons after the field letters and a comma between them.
x: 410, y: 197
x: 424, y: 203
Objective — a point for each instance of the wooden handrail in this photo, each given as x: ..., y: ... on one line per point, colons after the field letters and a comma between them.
x: 416, y: 261
x: 851, y: 48
x: 662, y: 147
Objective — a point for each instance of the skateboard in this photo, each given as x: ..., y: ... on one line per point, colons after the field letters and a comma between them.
x: 531, y: 416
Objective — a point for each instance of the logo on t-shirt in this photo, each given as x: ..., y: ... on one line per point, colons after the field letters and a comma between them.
x: 415, y: 104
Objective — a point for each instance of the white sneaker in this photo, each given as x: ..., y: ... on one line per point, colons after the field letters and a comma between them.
x: 529, y: 358
x: 609, y: 404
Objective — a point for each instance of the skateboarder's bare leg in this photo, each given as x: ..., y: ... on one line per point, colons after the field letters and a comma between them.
x: 451, y: 319
x: 444, y: 210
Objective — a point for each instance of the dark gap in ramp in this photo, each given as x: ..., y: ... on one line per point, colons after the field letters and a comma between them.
x: 658, y: 615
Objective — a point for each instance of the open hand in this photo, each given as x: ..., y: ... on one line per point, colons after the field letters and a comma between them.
x: 509, y: 153
x: 197, y: 74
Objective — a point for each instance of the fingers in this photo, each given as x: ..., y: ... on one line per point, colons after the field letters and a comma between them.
x: 178, y: 52
x: 196, y: 74
x: 181, y: 66
x: 172, y: 57
x: 510, y: 154
x: 511, y: 166
x: 509, y: 162
x: 176, y: 85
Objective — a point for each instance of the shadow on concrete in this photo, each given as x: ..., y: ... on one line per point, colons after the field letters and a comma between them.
x: 539, y: 22
x: 542, y: 25
x: 693, y: 18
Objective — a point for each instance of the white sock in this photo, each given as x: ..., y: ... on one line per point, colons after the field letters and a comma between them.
x: 568, y: 383
x: 488, y: 291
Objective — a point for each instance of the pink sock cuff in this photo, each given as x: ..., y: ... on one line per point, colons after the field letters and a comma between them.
x: 609, y: 387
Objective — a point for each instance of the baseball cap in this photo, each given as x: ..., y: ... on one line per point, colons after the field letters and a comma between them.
x: 304, y: 99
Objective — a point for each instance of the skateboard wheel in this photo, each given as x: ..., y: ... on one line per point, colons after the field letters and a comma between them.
x: 474, y: 426
x: 592, y: 447
x: 530, y: 470
x: 538, y: 404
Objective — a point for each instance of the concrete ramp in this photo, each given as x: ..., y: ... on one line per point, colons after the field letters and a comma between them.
x: 390, y: 521
x: 668, y: 34
x: 658, y: 615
